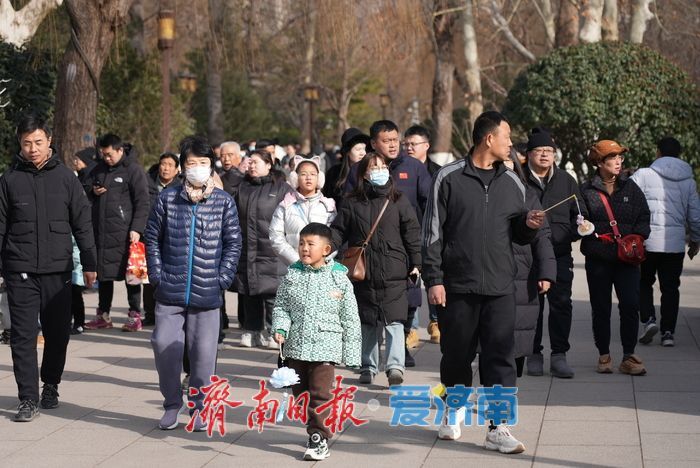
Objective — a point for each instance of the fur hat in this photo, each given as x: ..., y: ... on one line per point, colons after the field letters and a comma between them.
x: 603, y: 149
x: 294, y: 175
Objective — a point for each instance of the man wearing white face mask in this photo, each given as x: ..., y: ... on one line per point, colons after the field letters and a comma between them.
x: 194, y: 226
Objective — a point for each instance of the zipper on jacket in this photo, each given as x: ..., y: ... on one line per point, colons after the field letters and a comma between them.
x: 483, y: 238
x: 190, y: 256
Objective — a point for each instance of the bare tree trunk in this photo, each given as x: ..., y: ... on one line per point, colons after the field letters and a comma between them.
x: 640, y: 16
x: 308, y: 75
x: 474, y: 99
x: 137, y: 36
x: 591, y: 21
x: 611, y: 30
x: 567, y: 23
x: 443, y: 31
x: 545, y: 8
x: 94, y: 25
x: 17, y: 27
x: 215, y: 121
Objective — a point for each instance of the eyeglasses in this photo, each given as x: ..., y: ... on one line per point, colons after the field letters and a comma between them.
x: 408, y: 144
x: 617, y: 157
x: 540, y: 152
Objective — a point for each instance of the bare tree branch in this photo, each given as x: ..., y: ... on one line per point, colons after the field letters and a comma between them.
x: 500, y: 22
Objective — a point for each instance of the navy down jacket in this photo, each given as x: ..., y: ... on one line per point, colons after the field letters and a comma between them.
x: 192, y: 248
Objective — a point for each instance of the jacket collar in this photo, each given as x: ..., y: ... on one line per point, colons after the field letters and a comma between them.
x: 471, y: 170
x: 23, y: 165
x: 533, y: 177
x: 298, y: 265
x: 597, y: 181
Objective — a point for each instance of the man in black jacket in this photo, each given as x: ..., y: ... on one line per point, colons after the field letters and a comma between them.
x: 553, y: 185
x: 120, y: 206
x: 41, y: 203
x: 475, y: 211
x: 161, y: 176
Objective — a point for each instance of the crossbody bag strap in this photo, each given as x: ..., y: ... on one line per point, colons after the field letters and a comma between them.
x: 376, y: 223
x: 611, y: 216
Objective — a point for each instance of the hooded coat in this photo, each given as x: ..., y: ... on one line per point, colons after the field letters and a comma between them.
x: 123, y: 208
x: 672, y: 195
x: 392, y: 250
x: 291, y: 216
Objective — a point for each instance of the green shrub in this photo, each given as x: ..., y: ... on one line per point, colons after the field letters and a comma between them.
x: 619, y: 91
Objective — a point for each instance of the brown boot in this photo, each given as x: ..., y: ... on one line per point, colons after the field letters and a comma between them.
x: 604, y: 364
x: 434, y: 332
x: 632, y: 365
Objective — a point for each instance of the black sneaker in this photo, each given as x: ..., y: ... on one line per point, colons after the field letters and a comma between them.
x: 49, y: 396
x: 77, y: 330
x: 148, y: 321
x: 5, y: 336
x: 26, y: 411
x: 316, y: 448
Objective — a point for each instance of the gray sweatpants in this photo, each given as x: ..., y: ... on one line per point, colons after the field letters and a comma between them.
x: 201, y: 327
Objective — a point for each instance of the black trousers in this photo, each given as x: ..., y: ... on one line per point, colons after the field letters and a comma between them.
x: 410, y: 315
x: 669, y: 267
x: 471, y: 319
x: 32, y: 298
x: 106, y: 293
x: 149, y: 301
x: 602, y: 275
x: 77, y: 306
x: 560, y: 309
x: 257, y: 311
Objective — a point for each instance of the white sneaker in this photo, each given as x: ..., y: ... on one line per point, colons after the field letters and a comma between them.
x: 452, y: 431
x: 316, y: 448
x: 260, y: 340
x: 247, y: 340
x: 502, y: 440
x: 650, y: 329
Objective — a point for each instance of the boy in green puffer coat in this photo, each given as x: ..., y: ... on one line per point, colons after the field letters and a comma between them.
x: 315, y: 315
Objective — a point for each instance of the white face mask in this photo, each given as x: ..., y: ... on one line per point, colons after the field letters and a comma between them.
x: 198, y: 175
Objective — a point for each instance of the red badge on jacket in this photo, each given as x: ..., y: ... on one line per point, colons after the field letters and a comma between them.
x: 403, y: 175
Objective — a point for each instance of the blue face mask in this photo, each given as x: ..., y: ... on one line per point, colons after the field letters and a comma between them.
x: 379, y: 176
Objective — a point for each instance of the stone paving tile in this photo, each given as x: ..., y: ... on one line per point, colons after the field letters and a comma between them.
x: 110, y: 399
x: 579, y: 455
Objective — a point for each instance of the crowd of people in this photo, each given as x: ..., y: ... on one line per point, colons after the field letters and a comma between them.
x: 328, y: 255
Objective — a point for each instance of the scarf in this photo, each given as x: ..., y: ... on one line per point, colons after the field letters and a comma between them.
x: 198, y: 194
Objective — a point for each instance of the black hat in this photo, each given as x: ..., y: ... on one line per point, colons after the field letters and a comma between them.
x: 353, y: 136
x: 87, y: 155
x: 539, y: 137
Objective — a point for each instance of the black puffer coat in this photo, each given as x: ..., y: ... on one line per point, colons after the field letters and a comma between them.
x: 39, y: 208
x: 535, y: 262
x: 629, y: 205
x: 123, y: 208
x: 393, y: 249
x: 260, y: 269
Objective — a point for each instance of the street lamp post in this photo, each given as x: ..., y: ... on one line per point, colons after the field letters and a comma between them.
x: 311, y: 96
x: 166, y: 38
x: 384, y: 101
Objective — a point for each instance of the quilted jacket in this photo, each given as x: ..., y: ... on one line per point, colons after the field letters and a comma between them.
x: 316, y: 310
x: 192, y: 248
x: 291, y: 216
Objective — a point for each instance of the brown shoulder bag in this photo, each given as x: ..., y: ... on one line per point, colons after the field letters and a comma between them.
x: 354, y: 257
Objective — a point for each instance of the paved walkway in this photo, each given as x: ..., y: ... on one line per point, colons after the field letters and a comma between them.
x: 110, y: 405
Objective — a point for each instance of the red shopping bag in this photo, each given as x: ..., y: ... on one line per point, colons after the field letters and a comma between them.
x: 136, y: 271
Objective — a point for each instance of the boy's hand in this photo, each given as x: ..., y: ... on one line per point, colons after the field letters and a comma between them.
x: 278, y: 338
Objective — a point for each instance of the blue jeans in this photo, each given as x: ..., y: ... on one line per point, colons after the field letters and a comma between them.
x: 394, y: 345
